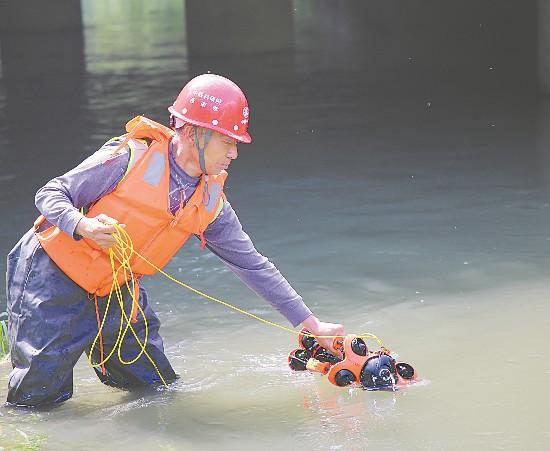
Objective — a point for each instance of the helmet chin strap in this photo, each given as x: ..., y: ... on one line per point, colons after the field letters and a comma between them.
x: 201, y: 149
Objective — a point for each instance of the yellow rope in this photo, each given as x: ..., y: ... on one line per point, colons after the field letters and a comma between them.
x: 244, y: 312
x: 120, y: 256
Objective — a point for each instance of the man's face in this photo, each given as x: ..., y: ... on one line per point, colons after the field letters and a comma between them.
x: 220, y: 151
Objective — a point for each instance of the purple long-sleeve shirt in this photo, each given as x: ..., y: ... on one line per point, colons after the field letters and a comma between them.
x: 62, y: 197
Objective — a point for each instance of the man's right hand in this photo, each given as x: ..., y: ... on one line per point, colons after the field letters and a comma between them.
x: 99, y: 229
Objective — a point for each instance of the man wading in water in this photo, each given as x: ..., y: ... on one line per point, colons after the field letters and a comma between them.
x: 162, y: 185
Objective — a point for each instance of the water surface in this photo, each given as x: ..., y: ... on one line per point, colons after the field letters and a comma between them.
x: 420, y: 218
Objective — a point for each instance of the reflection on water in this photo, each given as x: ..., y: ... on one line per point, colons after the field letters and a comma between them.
x: 423, y: 219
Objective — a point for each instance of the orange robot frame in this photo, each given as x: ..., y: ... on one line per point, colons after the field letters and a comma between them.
x: 373, y: 370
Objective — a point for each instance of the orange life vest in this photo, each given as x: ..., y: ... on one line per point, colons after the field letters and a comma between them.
x: 141, y: 202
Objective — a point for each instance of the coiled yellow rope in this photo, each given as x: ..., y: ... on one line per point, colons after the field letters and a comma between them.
x: 120, y: 256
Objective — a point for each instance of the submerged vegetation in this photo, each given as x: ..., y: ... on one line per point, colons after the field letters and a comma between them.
x: 4, y: 347
x: 28, y: 443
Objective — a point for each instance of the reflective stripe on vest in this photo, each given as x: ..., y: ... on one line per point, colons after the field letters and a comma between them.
x: 137, y: 148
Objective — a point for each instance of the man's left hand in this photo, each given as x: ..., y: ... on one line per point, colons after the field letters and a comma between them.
x: 320, y: 328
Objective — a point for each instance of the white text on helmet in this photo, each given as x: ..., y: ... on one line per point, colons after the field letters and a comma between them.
x: 206, y: 96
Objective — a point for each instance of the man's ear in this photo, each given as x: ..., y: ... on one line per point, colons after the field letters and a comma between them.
x: 189, y: 133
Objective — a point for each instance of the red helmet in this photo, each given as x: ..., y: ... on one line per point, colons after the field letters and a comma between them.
x: 214, y: 102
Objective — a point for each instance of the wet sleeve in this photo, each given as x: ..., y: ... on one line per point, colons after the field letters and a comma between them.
x: 226, y: 238
x: 60, y: 199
